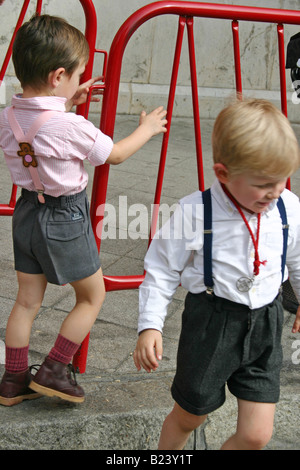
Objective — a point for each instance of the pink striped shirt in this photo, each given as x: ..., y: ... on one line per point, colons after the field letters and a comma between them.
x: 61, y: 146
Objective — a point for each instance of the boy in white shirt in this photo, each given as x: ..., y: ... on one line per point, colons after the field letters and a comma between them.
x: 233, y: 270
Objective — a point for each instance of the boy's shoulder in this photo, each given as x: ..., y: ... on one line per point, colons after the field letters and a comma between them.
x: 290, y: 199
x: 292, y: 206
x: 3, y: 111
x: 193, y: 198
x: 3, y: 114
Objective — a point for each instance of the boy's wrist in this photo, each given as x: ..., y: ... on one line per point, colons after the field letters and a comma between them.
x: 149, y: 329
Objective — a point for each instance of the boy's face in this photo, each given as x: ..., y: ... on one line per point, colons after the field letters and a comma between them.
x: 69, y: 84
x: 255, y: 193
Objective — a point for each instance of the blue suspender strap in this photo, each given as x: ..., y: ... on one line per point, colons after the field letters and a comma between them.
x: 285, y: 229
x: 207, y: 244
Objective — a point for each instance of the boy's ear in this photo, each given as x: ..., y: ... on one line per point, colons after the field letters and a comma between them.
x: 56, y: 76
x: 221, y: 172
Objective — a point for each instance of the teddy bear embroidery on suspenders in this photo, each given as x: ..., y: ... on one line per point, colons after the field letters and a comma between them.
x: 26, y: 150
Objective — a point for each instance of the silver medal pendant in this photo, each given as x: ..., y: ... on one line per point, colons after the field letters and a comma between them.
x: 244, y: 284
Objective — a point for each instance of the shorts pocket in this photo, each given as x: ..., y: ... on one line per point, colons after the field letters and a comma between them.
x: 65, y: 231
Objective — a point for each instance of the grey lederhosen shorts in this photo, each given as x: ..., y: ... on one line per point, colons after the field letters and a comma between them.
x: 55, y: 238
x: 225, y: 342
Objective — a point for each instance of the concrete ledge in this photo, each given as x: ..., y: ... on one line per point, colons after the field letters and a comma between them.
x: 115, y: 416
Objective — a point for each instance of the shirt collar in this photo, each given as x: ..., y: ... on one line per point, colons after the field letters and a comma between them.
x: 42, y: 103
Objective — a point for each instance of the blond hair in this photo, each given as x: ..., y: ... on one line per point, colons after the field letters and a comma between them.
x: 254, y: 136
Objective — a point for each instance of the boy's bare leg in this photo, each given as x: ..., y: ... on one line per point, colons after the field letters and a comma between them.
x: 90, y: 294
x: 254, y: 426
x: 29, y: 299
x: 177, y: 428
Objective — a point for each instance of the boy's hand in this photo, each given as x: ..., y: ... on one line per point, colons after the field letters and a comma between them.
x: 81, y: 94
x: 150, y: 124
x: 154, y: 121
x: 148, y: 350
x: 296, y: 325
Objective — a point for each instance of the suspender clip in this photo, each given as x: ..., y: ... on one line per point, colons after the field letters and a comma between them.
x: 41, y: 196
x: 209, y: 291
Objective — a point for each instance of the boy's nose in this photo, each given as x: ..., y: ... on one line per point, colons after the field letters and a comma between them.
x: 275, y: 192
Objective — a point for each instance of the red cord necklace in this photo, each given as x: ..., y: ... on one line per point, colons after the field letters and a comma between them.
x: 244, y: 284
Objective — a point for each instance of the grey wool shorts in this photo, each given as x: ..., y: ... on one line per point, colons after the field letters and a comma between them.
x: 56, y: 238
x: 221, y: 343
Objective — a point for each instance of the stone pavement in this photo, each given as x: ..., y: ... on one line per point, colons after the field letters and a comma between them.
x: 124, y: 409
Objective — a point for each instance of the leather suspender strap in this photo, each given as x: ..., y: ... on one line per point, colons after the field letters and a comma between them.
x: 25, y: 143
x: 208, y: 234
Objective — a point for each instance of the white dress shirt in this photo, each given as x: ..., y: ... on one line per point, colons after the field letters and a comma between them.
x: 176, y: 255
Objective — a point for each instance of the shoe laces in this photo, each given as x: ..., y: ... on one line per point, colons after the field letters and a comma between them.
x: 70, y: 371
x: 35, y: 367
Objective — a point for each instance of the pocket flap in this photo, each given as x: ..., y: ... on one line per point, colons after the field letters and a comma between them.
x: 65, y: 231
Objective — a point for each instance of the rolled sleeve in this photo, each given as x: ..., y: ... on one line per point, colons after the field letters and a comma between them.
x: 85, y: 141
x: 101, y: 149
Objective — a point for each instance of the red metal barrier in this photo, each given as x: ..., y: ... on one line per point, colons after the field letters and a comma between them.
x: 186, y: 11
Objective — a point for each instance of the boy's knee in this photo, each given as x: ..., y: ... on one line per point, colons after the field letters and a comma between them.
x: 257, y: 439
x: 187, y: 421
x: 27, y: 303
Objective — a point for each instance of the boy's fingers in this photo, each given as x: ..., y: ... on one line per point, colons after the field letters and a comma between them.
x: 145, y: 359
x: 296, y: 325
x: 141, y: 360
x: 159, y: 349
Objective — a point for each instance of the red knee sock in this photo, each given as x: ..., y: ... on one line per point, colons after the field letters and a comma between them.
x: 16, y: 359
x: 63, y: 350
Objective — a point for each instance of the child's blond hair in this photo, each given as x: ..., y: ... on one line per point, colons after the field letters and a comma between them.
x: 253, y: 136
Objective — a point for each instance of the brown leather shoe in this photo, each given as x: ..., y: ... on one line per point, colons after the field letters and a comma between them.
x: 14, y: 388
x: 54, y: 379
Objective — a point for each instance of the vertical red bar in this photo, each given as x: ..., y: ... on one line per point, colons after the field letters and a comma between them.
x: 39, y: 7
x: 80, y: 358
x: 91, y: 35
x: 195, y: 99
x: 181, y: 26
x: 9, y: 50
x: 283, y: 96
x: 280, y: 33
x: 237, y: 57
